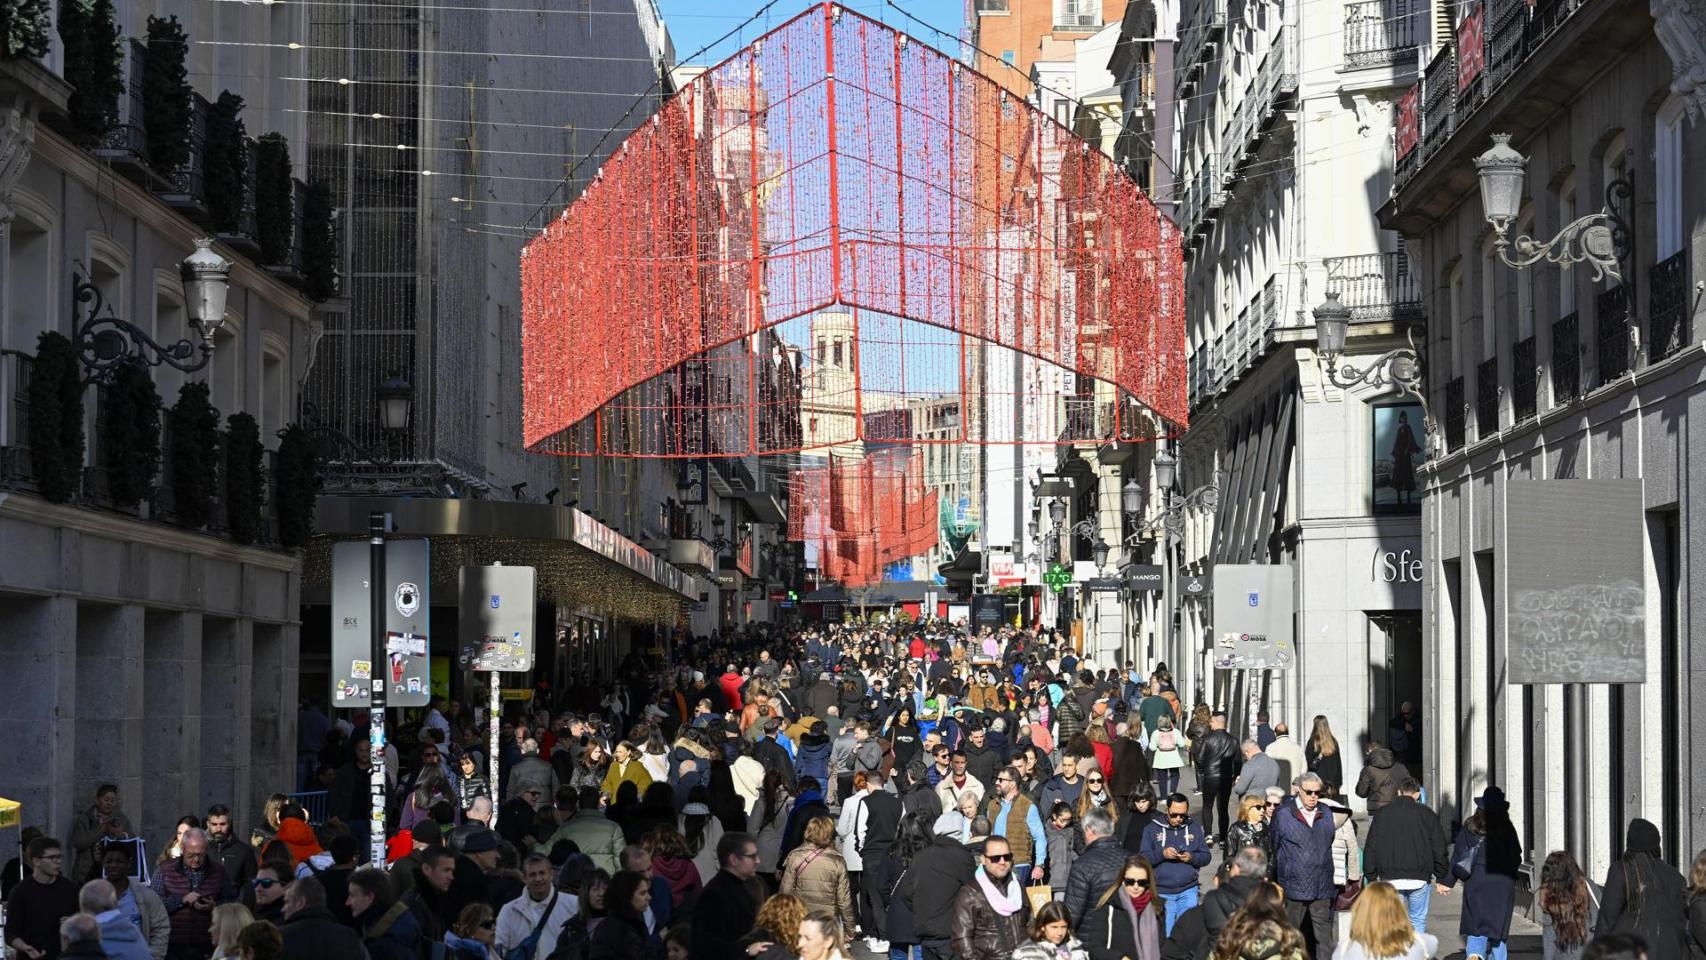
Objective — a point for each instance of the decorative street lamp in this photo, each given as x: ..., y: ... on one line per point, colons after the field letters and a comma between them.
x: 106, y: 342
x: 1057, y: 511
x: 396, y: 403
x: 1601, y: 239
x: 1099, y: 552
x: 1400, y: 367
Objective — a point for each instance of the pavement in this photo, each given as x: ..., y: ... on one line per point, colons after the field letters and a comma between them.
x: 1444, y: 914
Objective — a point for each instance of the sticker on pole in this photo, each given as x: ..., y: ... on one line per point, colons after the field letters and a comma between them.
x: 408, y: 598
x: 497, y: 607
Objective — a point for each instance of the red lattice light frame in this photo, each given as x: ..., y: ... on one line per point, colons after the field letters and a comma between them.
x: 862, y: 514
x: 837, y: 163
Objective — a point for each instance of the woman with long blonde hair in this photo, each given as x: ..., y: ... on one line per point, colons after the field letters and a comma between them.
x: 1321, y: 755
x: 1381, y: 929
x: 228, y: 920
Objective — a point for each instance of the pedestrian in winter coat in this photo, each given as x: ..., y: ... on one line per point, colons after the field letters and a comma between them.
x: 1303, y: 835
x: 310, y: 932
x: 1069, y: 720
x: 189, y: 886
x: 1064, y: 787
x: 1131, y: 766
x: 1288, y: 754
x: 1485, y: 859
x: 1381, y: 775
x: 1251, y: 830
x: 1646, y: 896
x: 102, y: 821
x: 929, y: 886
x: 1406, y: 848
x: 1051, y: 937
x: 1124, y: 922
x: 1259, y: 773
x: 768, y: 820
x: 1566, y: 904
x: 1096, y: 868
x: 1168, y: 752
x: 1321, y: 756
x: 990, y: 911
x: 1064, y: 844
x: 816, y: 873
x: 1179, y: 852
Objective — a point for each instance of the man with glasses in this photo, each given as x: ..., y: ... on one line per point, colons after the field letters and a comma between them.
x: 991, y: 912
x: 939, y: 767
x: 39, y: 902
x: 728, y: 906
x: 189, y: 886
x: 1303, y: 863
x: 1012, y: 814
x: 1179, y: 851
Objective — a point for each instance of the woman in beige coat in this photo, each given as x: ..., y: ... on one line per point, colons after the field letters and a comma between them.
x: 816, y: 873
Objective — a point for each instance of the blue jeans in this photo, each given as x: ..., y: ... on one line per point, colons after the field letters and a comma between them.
x: 1483, y: 947
x: 1416, y: 901
x: 1177, y: 903
x: 913, y: 952
x: 1023, y: 872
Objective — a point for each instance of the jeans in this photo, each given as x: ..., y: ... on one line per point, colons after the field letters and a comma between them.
x: 1416, y: 901
x: 1321, y: 928
x: 1166, y: 782
x: 912, y: 952
x: 1023, y: 872
x: 1484, y: 947
x: 1176, y: 904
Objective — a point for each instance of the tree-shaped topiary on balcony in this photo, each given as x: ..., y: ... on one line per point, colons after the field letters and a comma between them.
x: 166, y: 95
x: 243, y: 477
x: 225, y: 163
x: 130, y: 433
x: 296, y: 484
x: 195, y: 455
x: 94, y: 66
x: 56, y: 417
x: 23, y: 29
x: 274, y: 205
x: 319, y: 242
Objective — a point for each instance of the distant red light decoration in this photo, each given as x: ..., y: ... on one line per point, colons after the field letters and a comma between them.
x: 835, y: 164
x: 861, y: 515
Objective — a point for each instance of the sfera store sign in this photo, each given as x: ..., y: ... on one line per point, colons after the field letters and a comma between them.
x: 1398, y: 566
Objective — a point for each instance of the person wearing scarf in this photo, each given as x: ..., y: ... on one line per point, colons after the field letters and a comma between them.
x: 991, y: 912
x: 1124, y: 923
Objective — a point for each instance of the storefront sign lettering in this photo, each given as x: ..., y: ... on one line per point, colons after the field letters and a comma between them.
x: 1393, y: 566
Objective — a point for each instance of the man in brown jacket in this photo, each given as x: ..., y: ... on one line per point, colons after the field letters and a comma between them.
x: 991, y: 912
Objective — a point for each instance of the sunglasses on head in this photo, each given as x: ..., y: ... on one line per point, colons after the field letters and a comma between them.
x: 998, y: 857
x: 1137, y: 882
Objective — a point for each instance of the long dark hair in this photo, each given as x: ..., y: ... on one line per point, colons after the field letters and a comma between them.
x: 1564, y: 896
x: 772, y: 793
x: 1262, y: 917
x: 619, y: 899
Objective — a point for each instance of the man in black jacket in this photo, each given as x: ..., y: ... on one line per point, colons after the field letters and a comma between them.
x: 773, y: 755
x: 310, y: 932
x: 929, y: 887
x: 1097, y: 868
x: 726, y: 908
x: 1217, y: 767
x: 882, y: 827
x: 1406, y: 847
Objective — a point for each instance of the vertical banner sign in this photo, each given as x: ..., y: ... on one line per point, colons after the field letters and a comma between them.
x: 1471, y: 47
x: 496, y: 606
x: 405, y: 666
x: 1576, y: 581
x: 1409, y: 121
x: 1254, y: 628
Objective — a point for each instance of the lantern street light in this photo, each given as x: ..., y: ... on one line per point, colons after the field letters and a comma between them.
x: 104, y: 343
x: 1601, y: 239
x: 1400, y: 367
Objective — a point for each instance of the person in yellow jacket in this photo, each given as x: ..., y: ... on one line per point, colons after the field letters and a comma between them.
x: 625, y: 765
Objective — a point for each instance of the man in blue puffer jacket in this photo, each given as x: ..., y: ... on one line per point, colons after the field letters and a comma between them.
x: 1303, y: 862
x: 811, y: 759
x: 1179, y: 851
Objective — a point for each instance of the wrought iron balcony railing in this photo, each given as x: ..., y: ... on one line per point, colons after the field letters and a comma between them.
x: 1525, y: 380
x: 1377, y: 286
x: 1380, y: 33
x: 1455, y: 414
x: 1566, y: 360
x: 1668, y: 324
x: 1611, y: 321
x: 1487, y: 397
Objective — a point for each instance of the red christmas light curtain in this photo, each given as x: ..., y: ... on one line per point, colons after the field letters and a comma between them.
x: 859, y: 515
x: 837, y: 165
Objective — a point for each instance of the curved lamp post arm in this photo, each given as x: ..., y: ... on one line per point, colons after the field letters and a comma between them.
x: 104, y: 343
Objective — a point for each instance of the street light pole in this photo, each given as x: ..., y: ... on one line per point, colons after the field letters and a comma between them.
x: 377, y: 671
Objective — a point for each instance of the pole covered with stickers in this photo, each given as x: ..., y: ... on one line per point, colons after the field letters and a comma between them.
x: 376, y: 525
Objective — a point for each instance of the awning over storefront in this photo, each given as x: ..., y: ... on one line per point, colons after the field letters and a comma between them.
x: 582, y: 563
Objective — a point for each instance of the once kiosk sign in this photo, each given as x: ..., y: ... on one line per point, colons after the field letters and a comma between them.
x: 1398, y: 566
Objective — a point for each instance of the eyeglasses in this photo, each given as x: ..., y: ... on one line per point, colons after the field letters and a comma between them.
x: 1310, y: 793
x: 1003, y: 779
x: 998, y: 857
x: 264, y: 883
x: 748, y: 856
x: 1095, y: 779
x: 51, y: 856
x: 1175, y: 816
x: 1137, y: 882
x: 488, y: 924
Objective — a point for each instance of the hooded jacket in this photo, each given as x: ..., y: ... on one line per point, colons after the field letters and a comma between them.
x: 812, y: 757
x: 930, y: 885
x: 299, y: 837
x: 1174, y: 876
x: 681, y: 875
x: 120, y: 940
x: 1380, y: 778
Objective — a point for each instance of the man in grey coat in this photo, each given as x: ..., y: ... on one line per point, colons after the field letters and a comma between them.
x: 1259, y: 773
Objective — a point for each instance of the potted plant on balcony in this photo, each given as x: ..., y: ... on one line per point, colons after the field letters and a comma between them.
x: 195, y: 455
x: 243, y: 474
x: 225, y: 163
x: 130, y: 434
x: 94, y: 66
x: 275, y: 207
x: 296, y: 484
x: 23, y: 29
x: 166, y: 95
x: 56, y: 417
x: 319, y: 242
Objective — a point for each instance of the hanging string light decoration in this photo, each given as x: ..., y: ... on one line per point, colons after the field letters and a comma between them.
x: 857, y: 515
x: 981, y: 251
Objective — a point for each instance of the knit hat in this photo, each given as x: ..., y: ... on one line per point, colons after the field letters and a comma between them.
x: 748, y: 775
x: 480, y: 841
x: 1643, y: 837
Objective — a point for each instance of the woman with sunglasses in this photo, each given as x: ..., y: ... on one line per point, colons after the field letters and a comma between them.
x: 1251, y: 828
x: 470, y: 937
x: 1097, y: 796
x: 1124, y: 921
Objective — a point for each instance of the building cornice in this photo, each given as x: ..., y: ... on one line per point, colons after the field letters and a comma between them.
x: 54, y: 149
x: 128, y: 530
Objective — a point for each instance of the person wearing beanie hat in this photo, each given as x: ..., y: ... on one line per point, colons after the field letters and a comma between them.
x: 1646, y: 896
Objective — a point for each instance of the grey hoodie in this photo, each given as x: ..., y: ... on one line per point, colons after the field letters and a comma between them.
x: 120, y: 939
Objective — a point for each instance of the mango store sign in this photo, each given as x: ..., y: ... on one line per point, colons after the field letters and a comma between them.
x: 1398, y: 566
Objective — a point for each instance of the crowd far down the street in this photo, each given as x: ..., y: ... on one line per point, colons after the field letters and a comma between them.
x: 895, y: 789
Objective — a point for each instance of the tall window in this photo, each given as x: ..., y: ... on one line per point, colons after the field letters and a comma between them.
x: 1525, y: 286
x: 1078, y: 13
x: 1668, y: 178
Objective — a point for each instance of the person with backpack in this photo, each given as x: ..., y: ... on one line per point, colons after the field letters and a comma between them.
x: 529, y: 924
x: 1168, y: 754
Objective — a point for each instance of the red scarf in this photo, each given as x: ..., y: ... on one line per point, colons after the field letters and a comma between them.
x: 1140, y: 902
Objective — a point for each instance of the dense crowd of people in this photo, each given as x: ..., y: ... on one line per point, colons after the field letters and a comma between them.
x: 929, y: 793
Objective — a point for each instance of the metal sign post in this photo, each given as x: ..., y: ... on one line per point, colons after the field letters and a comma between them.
x: 497, y: 605
x: 376, y: 525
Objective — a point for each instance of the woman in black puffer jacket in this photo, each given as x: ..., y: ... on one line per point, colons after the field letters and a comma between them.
x: 1250, y: 829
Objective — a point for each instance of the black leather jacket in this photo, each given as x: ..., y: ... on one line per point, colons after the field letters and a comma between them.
x: 1217, y: 756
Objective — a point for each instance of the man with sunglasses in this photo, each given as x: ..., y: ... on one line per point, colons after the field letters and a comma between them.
x: 1179, y: 850
x: 991, y: 911
x: 1303, y: 832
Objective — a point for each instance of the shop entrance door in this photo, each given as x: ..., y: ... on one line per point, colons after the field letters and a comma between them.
x: 1399, y: 634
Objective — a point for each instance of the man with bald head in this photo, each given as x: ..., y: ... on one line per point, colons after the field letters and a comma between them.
x: 120, y: 938
x: 189, y: 887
